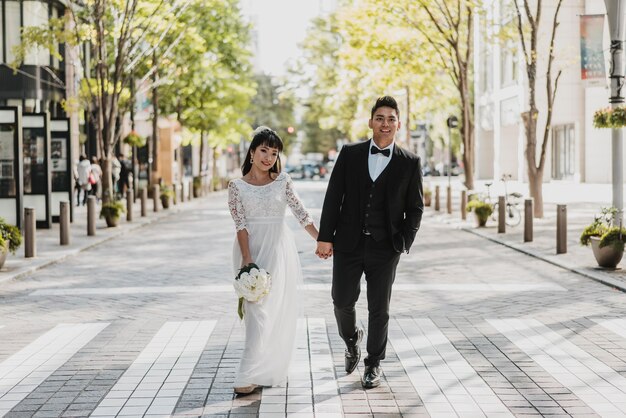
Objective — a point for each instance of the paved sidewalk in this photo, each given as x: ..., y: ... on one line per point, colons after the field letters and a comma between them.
x: 49, y: 250
x: 584, y: 201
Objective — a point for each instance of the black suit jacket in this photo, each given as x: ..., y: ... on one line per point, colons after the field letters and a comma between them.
x: 342, y: 210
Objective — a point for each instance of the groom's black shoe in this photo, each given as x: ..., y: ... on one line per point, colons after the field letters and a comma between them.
x: 371, y: 377
x: 353, y: 351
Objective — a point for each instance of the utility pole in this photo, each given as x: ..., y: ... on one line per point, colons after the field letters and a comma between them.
x: 615, y: 11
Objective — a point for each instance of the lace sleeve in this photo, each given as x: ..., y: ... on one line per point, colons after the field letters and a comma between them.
x: 236, y: 207
x: 296, y: 206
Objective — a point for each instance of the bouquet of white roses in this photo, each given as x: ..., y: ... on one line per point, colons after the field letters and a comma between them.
x: 252, y: 284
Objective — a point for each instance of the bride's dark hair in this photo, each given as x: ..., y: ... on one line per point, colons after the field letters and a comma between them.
x: 263, y: 136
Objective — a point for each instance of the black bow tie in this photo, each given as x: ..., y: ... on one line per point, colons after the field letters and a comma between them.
x: 385, y: 152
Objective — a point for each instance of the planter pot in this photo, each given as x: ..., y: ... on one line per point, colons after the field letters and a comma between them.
x: 427, y: 199
x: 4, y: 251
x: 112, y: 220
x: 607, y: 257
x: 165, y: 201
x: 481, y: 221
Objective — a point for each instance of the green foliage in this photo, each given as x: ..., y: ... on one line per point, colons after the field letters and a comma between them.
x: 482, y: 209
x: 610, y: 118
x: 614, y: 237
x: 273, y: 106
x: 112, y: 209
x: 135, y: 140
x: 601, y: 225
x: 10, y: 234
x: 167, y: 192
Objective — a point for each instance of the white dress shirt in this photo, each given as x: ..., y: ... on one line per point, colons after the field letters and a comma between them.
x: 378, y: 162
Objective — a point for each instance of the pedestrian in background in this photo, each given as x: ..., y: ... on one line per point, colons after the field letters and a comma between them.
x: 96, y: 178
x: 125, y: 174
x: 371, y: 213
x: 83, y: 172
x: 116, y: 169
x: 257, y: 203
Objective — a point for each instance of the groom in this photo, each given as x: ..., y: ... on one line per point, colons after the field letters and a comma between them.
x: 371, y: 213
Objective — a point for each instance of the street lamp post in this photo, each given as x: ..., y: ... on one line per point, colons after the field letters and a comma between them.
x: 452, y: 122
x: 615, y: 11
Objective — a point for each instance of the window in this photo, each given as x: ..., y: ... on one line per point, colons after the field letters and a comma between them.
x: 563, y: 152
x: 36, y: 14
x: 12, y: 30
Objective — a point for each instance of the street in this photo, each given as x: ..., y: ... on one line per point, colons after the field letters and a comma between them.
x: 146, y: 325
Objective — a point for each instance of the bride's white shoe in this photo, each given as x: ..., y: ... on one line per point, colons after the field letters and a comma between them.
x: 245, y: 390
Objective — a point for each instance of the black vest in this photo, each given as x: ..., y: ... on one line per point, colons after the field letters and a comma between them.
x: 374, y: 213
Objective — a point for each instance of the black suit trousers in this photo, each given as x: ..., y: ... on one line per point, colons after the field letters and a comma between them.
x: 378, y: 261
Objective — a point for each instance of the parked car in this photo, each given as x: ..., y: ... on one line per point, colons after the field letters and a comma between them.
x: 307, y: 170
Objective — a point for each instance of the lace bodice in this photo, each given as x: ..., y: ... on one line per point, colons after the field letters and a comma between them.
x: 247, y: 201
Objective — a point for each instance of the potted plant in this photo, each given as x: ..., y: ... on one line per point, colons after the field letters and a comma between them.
x: 482, y: 210
x: 197, y: 186
x: 135, y: 140
x: 10, y: 240
x: 167, y: 194
x: 610, y: 117
x: 428, y: 193
x: 111, y: 212
x: 606, y: 240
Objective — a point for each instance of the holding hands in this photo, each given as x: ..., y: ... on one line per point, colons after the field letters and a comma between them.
x: 324, y: 250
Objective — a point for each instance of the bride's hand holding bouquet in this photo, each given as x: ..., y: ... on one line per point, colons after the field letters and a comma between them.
x: 252, y: 284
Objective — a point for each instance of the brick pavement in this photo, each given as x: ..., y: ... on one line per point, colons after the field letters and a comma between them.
x: 476, y: 329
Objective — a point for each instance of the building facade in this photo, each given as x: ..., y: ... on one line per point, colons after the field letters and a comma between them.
x: 576, y: 151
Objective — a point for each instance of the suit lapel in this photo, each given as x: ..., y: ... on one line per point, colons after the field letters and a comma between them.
x: 393, y: 169
x: 363, y: 166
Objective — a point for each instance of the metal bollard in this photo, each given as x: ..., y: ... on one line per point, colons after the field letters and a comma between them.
x: 155, y: 197
x: 143, y: 192
x: 449, y: 198
x: 30, y: 227
x: 182, y: 192
x: 501, y: 215
x: 561, y: 229
x: 64, y: 223
x: 190, y: 190
x: 91, y: 215
x: 175, y: 189
x: 463, y: 205
x: 129, y: 205
x: 528, y: 220
x: 437, y: 206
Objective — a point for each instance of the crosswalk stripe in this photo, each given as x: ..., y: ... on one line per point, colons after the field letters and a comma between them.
x: 325, y: 387
x: 228, y: 288
x: 616, y: 325
x: 21, y: 373
x: 445, y: 381
x: 311, y: 375
x: 595, y: 383
x: 156, y: 379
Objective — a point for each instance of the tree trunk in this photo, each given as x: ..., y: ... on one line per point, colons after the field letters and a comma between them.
x: 107, y: 179
x: 202, y: 148
x: 535, y: 185
x: 214, y: 176
x: 155, y: 118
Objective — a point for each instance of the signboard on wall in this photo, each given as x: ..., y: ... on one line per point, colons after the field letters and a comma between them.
x: 592, y: 68
x: 36, y: 157
x: 61, y: 166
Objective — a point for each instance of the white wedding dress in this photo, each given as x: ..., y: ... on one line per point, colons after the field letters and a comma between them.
x: 271, y: 323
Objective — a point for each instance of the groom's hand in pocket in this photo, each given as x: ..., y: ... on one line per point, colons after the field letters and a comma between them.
x: 324, y: 249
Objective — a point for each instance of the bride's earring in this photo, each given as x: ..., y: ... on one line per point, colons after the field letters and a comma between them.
x: 251, y: 160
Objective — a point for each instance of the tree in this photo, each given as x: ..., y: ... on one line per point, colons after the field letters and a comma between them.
x: 446, y: 25
x: 528, y: 27
x: 273, y: 106
x: 109, y: 36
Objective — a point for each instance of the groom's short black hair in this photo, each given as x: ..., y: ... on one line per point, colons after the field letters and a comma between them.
x: 385, y: 101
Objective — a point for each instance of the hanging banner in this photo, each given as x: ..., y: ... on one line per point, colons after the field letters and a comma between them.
x: 592, y: 69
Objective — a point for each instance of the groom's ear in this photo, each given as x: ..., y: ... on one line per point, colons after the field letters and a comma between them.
x: 369, y: 123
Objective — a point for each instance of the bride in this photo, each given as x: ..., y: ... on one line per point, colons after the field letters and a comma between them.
x: 257, y: 203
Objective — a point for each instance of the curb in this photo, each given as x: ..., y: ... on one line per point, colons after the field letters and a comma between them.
x: 616, y: 284
x: 26, y: 271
